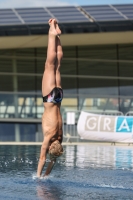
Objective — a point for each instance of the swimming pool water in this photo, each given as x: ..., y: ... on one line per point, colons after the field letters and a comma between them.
x: 84, y: 172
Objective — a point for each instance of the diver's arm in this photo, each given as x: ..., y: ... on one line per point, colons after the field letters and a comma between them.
x: 50, y: 167
x: 43, y: 153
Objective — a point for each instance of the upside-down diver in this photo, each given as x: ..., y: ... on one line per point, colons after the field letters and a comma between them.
x: 52, y: 96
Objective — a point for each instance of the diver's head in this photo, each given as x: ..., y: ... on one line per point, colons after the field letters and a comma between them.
x: 55, y: 149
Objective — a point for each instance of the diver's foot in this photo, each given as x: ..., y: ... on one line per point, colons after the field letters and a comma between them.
x: 57, y: 28
x: 52, y: 29
x: 58, y: 31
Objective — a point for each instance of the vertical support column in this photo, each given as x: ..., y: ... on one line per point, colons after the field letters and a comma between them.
x: 15, y: 89
x: 36, y: 114
x: 77, y: 73
x: 35, y: 54
x: 118, y: 74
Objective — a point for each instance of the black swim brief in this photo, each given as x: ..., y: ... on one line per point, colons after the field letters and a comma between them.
x: 55, y: 96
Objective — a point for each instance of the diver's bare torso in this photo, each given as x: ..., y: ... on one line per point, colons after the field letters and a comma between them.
x: 52, y: 122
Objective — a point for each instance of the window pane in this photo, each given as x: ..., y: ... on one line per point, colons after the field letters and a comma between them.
x: 25, y: 60
x: 7, y: 132
x: 126, y: 87
x: 95, y: 93
x: 21, y: 106
x: 126, y: 55
x: 25, y: 66
x: 69, y: 85
x: 98, y: 86
x: 38, y: 80
x: 69, y: 52
x: 99, y: 105
x: 7, y: 106
x: 70, y: 94
x: 126, y: 52
x: 98, y: 52
x: 68, y: 67
x: 6, y: 65
x: 27, y: 132
x: 40, y: 62
x: 94, y: 66
x: 126, y: 70
x: 6, y: 83
x: 69, y: 63
x: 97, y: 68
x: 40, y: 106
x: 27, y: 106
x: 126, y: 91
x: 26, y: 83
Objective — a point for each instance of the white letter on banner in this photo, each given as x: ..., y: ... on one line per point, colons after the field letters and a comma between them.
x: 106, y: 124
x: 124, y: 125
x: 94, y: 124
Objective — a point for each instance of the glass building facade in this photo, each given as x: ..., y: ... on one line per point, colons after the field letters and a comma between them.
x: 94, y: 78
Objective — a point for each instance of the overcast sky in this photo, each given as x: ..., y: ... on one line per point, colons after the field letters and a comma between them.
x: 44, y: 3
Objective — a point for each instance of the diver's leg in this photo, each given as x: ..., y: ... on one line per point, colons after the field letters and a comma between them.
x: 49, y: 76
x: 59, y: 56
x: 58, y: 80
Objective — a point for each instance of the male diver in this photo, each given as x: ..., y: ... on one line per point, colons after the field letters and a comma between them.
x: 52, y: 96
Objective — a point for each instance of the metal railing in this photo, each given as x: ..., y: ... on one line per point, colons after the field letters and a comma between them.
x: 130, y: 113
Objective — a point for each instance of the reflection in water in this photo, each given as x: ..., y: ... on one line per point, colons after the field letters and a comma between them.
x: 47, y: 190
x: 99, y: 156
x: 69, y: 155
x: 80, y: 156
x: 12, y: 157
x: 123, y: 159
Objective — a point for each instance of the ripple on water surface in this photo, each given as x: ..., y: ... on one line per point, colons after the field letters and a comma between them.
x: 83, y: 172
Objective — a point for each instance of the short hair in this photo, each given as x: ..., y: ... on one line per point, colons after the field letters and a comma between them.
x: 56, y: 149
